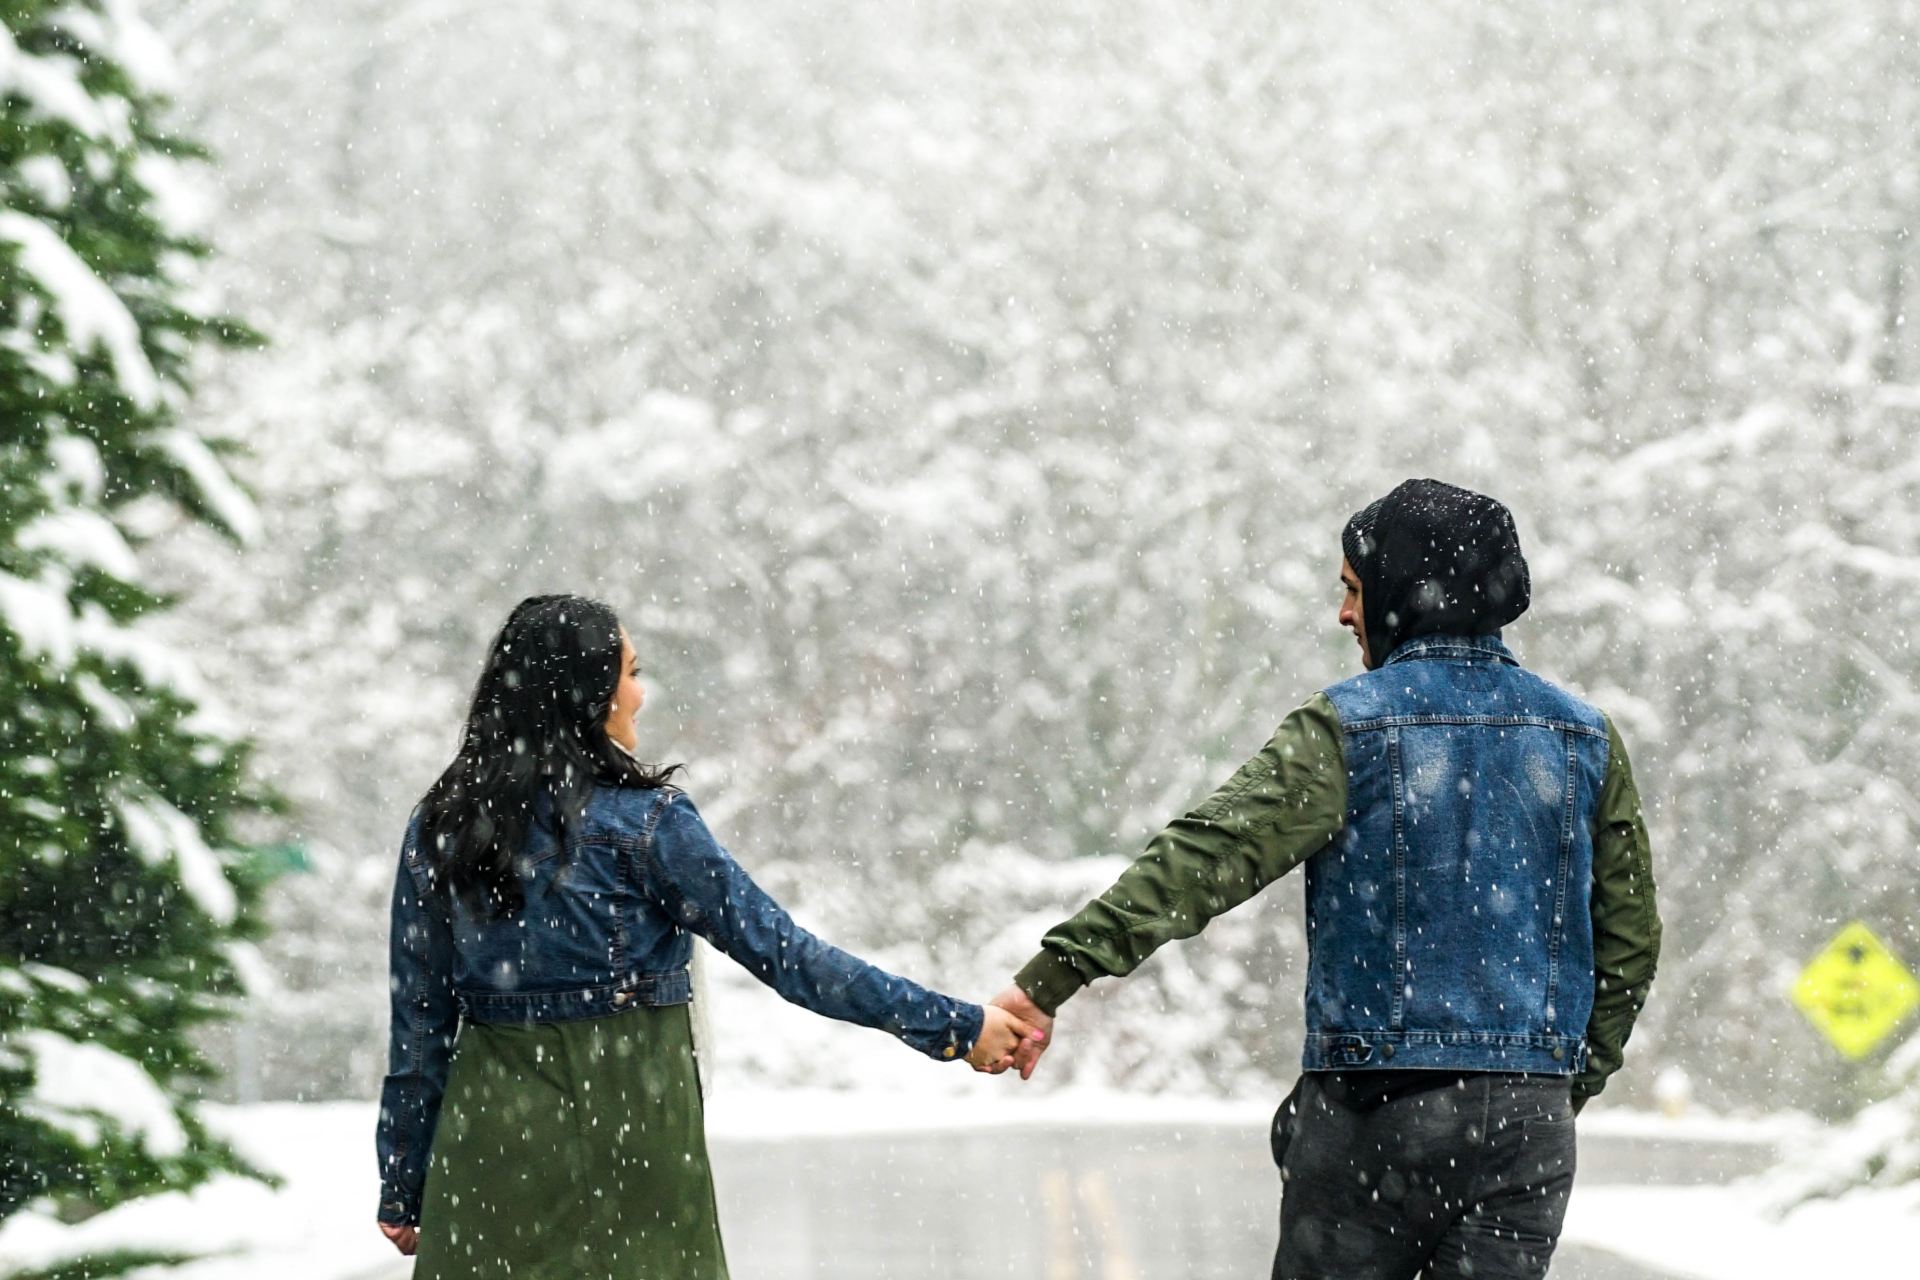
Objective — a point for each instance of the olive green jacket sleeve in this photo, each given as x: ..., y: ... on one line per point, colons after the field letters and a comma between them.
x: 1280, y: 808
x: 1626, y: 922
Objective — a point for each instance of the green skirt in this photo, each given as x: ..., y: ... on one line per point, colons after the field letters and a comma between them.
x: 572, y: 1150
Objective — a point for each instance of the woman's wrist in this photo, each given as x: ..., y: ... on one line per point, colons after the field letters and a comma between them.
x: 963, y: 1032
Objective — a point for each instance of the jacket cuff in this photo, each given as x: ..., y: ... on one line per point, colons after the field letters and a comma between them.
x: 397, y: 1209
x: 962, y: 1032
x: 1049, y: 979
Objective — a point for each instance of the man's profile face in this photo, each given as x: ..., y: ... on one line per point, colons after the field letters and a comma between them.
x: 1352, y: 615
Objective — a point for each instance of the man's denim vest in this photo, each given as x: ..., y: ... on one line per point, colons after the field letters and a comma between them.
x: 1448, y: 923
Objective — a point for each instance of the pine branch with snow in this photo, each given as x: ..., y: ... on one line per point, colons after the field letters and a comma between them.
x: 124, y: 911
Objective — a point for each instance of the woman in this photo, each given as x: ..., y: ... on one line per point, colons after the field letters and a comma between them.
x: 547, y: 886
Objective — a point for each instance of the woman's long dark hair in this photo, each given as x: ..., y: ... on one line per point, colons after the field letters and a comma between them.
x: 537, y: 728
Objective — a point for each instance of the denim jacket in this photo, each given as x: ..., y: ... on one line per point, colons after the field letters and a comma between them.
x: 1365, y: 785
x: 603, y: 929
x: 1445, y: 927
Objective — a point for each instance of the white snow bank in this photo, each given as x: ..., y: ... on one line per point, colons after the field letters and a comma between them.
x: 1726, y: 1233
x: 1878, y: 1147
x: 318, y: 1226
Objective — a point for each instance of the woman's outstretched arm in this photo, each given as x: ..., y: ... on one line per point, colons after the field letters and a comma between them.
x: 705, y: 890
x: 420, y: 1044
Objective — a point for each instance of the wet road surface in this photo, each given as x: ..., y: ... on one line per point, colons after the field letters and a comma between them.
x: 1077, y: 1202
x: 1144, y: 1203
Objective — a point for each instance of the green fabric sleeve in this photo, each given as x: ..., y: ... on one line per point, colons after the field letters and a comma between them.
x: 1626, y: 922
x: 1280, y: 808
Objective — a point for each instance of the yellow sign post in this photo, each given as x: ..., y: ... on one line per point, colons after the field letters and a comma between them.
x: 1856, y: 991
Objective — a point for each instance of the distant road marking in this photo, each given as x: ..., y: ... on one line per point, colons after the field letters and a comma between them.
x: 1097, y: 1204
x: 1063, y: 1260
x: 1117, y: 1253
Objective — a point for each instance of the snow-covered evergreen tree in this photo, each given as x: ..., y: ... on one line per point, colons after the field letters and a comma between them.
x: 123, y: 910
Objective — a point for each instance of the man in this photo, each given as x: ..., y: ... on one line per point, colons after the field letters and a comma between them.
x: 1480, y: 912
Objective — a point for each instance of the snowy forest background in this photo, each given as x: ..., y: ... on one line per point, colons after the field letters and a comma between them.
x: 961, y: 404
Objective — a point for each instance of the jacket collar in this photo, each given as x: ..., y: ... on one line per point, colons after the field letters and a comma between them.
x: 1487, y: 648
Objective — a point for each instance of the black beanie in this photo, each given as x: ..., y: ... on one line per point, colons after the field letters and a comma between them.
x: 1434, y: 559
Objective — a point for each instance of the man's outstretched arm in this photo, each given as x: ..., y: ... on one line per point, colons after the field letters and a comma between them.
x: 1277, y: 810
x: 1626, y: 922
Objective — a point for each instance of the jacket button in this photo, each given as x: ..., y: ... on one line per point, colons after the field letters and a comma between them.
x: 949, y: 1052
x: 620, y: 998
x: 1386, y: 1051
x: 1558, y: 1053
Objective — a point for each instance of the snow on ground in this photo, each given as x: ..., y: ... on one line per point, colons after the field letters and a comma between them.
x: 1724, y: 1233
x: 319, y: 1224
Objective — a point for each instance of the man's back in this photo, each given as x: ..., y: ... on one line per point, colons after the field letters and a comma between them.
x: 1448, y: 919
x: 1480, y: 911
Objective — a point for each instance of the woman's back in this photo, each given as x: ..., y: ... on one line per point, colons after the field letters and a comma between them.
x: 543, y: 908
x: 588, y: 938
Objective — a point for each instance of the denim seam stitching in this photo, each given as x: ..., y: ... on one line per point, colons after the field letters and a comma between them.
x: 1541, y: 722
x: 1477, y: 657
x: 1413, y: 651
x: 670, y: 979
x: 1525, y: 1039
x: 1561, y: 875
x: 1398, y: 1011
x: 647, y: 850
x: 622, y: 897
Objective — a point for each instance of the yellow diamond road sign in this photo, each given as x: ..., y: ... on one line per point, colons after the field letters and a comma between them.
x: 1856, y: 991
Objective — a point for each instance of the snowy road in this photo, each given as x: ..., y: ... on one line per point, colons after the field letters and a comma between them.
x: 1070, y: 1185
x: 1073, y: 1202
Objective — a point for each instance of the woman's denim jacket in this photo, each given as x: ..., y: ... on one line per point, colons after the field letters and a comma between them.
x: 605, y: 928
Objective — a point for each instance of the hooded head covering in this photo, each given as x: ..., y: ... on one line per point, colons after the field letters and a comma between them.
x: 1434, y: 559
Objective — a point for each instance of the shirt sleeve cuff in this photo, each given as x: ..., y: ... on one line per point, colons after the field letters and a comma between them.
x: 1049, y: 979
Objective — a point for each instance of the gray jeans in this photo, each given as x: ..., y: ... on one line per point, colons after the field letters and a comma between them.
x: 1470, y: 1178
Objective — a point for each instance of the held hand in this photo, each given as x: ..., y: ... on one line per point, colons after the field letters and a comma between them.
x: 1018, y: 1003
x: 1001, y: 1034
x: 405, y: 1239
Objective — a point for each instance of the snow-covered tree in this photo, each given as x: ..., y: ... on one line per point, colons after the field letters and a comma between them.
x: 124, y: 910
x: 964, y: 406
